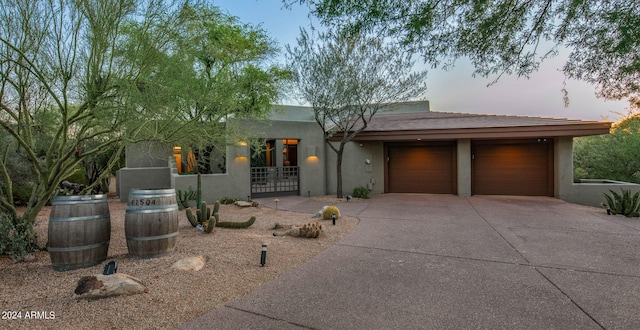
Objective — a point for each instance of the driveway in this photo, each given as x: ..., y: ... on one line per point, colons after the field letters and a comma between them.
x: 449, y: 262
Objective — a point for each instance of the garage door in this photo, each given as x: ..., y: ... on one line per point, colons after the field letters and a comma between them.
x: 517, y: 168
x: 421, y: 169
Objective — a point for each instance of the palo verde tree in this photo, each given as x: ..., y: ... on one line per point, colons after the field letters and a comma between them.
x: 79, y: 79
x: 347, y: 79
x: 210, y: 67
x: 507, y: 36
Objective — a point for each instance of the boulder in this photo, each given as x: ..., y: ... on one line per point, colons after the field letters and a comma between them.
x: 246, y: 204
x: 103, y: 286
x: 190, y: 263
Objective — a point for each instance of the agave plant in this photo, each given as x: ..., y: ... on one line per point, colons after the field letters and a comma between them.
x: 623, y: 203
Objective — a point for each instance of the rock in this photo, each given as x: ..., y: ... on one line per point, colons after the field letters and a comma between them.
x: 319, y: 213
x: 191, y: 263
x: 103, y: 286
x: 246, y: 204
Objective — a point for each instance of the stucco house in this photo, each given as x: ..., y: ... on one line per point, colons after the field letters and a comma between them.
x: 408, y: 150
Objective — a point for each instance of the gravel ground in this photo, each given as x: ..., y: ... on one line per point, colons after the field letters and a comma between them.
x: 174, y: 297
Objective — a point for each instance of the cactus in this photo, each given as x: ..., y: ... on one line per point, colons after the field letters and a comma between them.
x: 209, y: 218
x: 204, y: 216
x: 212, y: 222
x: 229, y: 224
x: 329, y: 211
x: 199, y: 192
x: 192, y: 220
x: 185, y: 196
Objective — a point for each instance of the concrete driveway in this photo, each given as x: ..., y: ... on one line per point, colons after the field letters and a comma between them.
x: 448, y: 262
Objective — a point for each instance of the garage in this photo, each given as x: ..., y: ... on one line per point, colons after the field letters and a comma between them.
x: 520, y: 167
x: 421, y: 168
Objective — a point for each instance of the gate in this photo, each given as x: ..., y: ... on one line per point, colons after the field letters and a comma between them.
x: 275, y: 181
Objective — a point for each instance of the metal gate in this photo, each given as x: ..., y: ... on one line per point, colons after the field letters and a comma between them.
x: 275, y: 181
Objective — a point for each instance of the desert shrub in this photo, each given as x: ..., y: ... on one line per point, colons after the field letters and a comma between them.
x: 623, y: 203
x: 17, y: 237
x: 360, y: 192
x: 329, y: 211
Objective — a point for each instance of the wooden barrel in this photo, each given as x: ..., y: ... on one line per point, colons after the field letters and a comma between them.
x: 79, y: 231
x: 151, y: 223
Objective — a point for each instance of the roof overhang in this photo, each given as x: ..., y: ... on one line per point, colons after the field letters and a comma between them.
x: 573, y: 130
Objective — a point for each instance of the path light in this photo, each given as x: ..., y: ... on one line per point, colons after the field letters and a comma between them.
x: 263, y: 255
x: 276, y: 200
x: 333, y: 218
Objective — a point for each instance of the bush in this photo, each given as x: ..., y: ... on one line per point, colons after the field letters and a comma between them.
x: 17, y: 237
x: 624, y: 203
x: 360, y: 192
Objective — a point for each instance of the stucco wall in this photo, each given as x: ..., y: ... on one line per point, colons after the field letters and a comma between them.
x: 147, y: 154
x: 463, y: 158
x: 580, y: 193
x: 355, y: 169
x: 236, y: 183
x: 309, y: 134
x: 141, y: 178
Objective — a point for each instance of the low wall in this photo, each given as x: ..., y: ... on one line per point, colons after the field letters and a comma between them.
x: 141, y: 178
x: 591, y: 192
x: 236, y: 183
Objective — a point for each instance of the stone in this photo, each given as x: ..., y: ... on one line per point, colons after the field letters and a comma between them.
x: 190, y: 263
x: 246, y: 204
x: 103, y: 286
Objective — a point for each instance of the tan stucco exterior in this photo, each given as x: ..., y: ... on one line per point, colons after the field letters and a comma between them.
x: 364, y: 158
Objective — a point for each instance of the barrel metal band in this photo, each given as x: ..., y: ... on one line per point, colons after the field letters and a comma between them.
x: 151, y: 209
x: 78, y: 248
x: 152, y: 238
x: 83, y: 218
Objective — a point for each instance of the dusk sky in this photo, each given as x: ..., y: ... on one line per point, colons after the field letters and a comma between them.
x: 456, y: 90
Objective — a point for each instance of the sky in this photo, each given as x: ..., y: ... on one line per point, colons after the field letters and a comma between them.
x: 456, y: 90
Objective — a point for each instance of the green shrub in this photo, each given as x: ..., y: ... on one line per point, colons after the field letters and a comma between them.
x: 623, y: 203
x: 360, y: 192
x: 17, y: 237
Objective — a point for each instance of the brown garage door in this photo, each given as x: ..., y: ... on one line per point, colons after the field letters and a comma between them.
x: 421, y: 169
x: 523, y: 168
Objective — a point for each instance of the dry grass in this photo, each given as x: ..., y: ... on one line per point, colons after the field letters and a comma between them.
x: 174, y: 297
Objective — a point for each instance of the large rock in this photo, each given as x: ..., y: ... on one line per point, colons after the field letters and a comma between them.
x: 246, y: 204
x: 102, y: 286
x: 191, y: 263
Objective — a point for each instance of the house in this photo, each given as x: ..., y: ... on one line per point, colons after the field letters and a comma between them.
x: 408, y: 150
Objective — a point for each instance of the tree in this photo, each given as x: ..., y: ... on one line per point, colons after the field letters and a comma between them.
x: 615, y: 156
x: 507, y: 36
x: 347, y: 79
x: 79, y: 79
x: 208, y: 67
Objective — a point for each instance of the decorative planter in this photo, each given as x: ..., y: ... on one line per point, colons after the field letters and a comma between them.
x: 79, y: 231
x: 151, y: 223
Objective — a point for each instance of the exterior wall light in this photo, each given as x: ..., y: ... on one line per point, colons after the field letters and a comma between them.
x: 311, y: 151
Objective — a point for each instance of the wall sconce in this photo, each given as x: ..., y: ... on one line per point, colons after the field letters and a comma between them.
x: 311, y: 151
x: 241, y: 151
